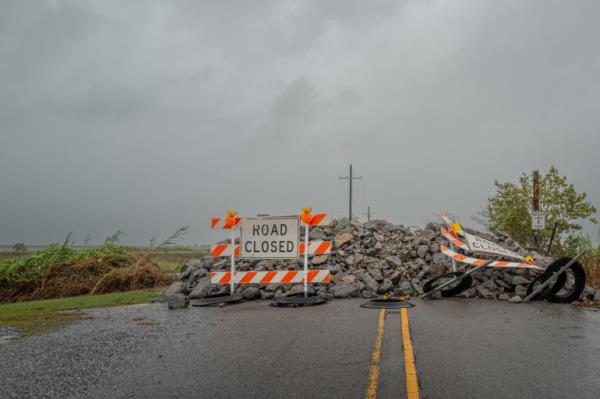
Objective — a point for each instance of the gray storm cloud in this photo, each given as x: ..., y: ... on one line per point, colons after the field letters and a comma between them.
x: 145, y: 116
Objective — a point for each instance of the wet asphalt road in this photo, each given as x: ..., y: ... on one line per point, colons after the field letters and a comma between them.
x: 463, y: 349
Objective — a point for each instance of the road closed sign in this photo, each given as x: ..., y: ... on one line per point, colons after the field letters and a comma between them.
x: 483, y: 246
x: 269, y: 238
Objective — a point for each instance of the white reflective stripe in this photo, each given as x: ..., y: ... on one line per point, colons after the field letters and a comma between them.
x: 322, y: 275
x: 259, y: 276
x: 264, y: 277
x: 478, y: 262
x: 237, y: 277
x: 298, y: 278
x: 445, y: 219
x: 223, y: 250
x: 221, y: 223
x: 515, y: 265
x: 462, y: 258
x: 216, y: 277
x: 313, y: 246
x: 279, y: 277
x: 319, y: 219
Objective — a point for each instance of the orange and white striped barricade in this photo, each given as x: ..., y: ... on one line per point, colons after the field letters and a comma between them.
x: 226, y: 223
x: 453, y: 240
x: 307, y: 219
x: 473, y: 244
x: 316, y: 247
x: 455, y: 230
x: 230, y: 222
x: 224, y: 250
x: 478, y: 245
x: 271, y: 277
x: 495, y: 263
x: 256, y: 242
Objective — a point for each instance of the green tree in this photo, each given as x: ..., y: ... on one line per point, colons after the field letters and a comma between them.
x: 509, y: 211
x: 19, y: 248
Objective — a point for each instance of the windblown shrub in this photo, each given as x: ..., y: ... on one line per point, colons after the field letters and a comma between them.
x: 59, y: 271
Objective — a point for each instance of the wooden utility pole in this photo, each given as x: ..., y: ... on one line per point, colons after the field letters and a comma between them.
x: 350, y: 178
x: 536, y: 191
x: 535, y: 203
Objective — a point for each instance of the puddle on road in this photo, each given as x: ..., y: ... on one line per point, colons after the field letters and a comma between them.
x: 7, y: 334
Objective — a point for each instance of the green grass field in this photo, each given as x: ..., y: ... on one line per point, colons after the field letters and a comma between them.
x: 32, y: 317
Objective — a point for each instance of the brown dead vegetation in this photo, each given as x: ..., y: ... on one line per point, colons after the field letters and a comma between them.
x: 124, y: 271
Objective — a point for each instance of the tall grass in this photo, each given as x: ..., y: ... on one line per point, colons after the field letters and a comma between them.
x: 63, y: 270
x: 30, y: 269
x: 591, y: 264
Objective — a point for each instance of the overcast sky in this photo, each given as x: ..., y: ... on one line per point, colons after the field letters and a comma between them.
x: 147, y: 115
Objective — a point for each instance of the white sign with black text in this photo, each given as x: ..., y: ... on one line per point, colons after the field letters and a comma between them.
x: 483, y: 246
x: 269, y: 238
x: 538, y: 220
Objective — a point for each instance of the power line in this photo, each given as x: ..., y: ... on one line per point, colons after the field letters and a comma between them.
x: 350, y: 178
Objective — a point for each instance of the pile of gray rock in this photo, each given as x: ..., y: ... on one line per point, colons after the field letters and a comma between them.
x: 367, y: 260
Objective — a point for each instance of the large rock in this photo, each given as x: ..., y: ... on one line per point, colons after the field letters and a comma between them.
x: 299, y: 288
x: 370, y: 282
x: 385, y: 287
x: 516, y: 280
x: 521, y: 291
x: 394, y: 261
x: 175, y: 297
x: 486, y: 293
x: 196, y: 275
x: 345, y: 290
x: 320, y: 259
x: 376, y: 273
x: 405, y: 287
x: 201, y: 289
x: 342, y: 238
x: 515, y: 299
x: 438, y: 269
x: 470, y: 293
x: 177, y: 300
x: 422, y: 250
x: 396, y: 276
x: 175, y: 288
x: 250, y: 293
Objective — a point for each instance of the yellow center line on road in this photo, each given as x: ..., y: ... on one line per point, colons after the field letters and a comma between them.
x: 375, y: 358
x: 412, y: 383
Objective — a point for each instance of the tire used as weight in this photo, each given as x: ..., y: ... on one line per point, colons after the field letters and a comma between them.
x: 552, y: 289
x: 552, y: 293
x: 464, y: 285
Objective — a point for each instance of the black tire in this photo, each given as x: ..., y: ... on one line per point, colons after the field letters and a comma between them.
x: 553, y: 289
x: 553, y: 293
x: 464, y: 285
x: 572, y: 293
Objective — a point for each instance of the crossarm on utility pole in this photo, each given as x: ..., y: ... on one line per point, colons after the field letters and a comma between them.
x: 350, y: 178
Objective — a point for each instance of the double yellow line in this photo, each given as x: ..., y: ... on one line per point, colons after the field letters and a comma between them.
x: 412, y: 383
x: 376, y: 357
